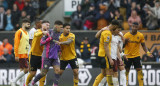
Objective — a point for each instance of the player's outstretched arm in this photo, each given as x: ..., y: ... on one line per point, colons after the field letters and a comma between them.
x: 66, y: 42
x: 98, y: 34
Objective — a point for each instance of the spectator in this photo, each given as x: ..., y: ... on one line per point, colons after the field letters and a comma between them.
x: 85, y: 5
x: 117, y: 16
x: 43, y: 5
x: 4, y: 4
x: 134, y: 18
x: 7, y: 56
x: 98, y: 4
x: 35, y: 5
x: 151, y: 20
x: 156, y: 11
x: 112, y: 6
x: 85, y: 50
x: 20, y: 4
x: 2, y: 59
x: 2, y: 19
x: 103, y: 16
x: 89, y: 21
x: 123, y: 6
x: 6, y: 45
x: 76, y: 18
x: 15, y: 16
x: 10, y: 3
x: 130, y: 7
x: 9, y: 18
x: 23, y: 16
x: 30, y: 10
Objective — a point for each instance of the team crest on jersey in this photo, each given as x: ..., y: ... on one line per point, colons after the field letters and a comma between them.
x: 108, y: 38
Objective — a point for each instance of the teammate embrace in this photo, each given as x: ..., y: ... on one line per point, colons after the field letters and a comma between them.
x: 47, y: 47
x: 110, y: 52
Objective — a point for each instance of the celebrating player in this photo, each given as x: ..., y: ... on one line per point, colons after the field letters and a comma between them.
x: 133, y: 40
x: 36, y: 51
x: 50, y: 53
x: 104, y: 53
x: 21, y: 46
x: 68, y: 56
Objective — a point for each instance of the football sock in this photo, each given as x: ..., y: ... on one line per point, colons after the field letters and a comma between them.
x: 29, y: 78
x: 98, y: 79
x: 109, y: 80
x: 140, y: 78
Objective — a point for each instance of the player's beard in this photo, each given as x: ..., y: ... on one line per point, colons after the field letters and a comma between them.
x: 27, y: 28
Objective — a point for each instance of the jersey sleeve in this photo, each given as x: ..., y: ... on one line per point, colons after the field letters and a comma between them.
x: 72, y: 37
x: 31, y: 34
x: 16, y: 42
x: 106, y: 37
x: 37, y: 33
x: 126, y: 36
x: 142, y: 39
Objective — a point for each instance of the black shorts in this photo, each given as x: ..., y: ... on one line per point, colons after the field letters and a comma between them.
x: 73, y: 63
x: 102, y: 62
x: 35, y: 62
x: 108, y: 65
x: 133, y: 61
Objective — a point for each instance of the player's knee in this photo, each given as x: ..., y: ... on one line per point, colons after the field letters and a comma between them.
x: 75, y: 73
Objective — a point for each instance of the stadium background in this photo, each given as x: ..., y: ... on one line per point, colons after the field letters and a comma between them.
x: 61, y: 10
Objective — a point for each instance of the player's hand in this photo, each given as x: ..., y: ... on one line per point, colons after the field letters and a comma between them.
x: 17, y: 59
x: 149, y: 54
x: 45, y: 32
x: 105, y: 28
x: 125, y: 57
x: 111, y: 62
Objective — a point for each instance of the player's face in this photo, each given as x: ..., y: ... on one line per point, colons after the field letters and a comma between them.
x: 26, y: 25
x: 67, y: 29
x: 45, y: 26
x: 117, y: 31
x: 59, y: 28
x: 38, y: 25
x: 134, y: 28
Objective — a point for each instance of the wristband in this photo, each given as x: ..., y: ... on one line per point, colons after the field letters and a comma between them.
x: 148, y: 53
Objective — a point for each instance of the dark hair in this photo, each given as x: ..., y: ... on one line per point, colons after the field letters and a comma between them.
x: 135, y: 23
x: 45, y: 21
x: 115, y: 22
x: 26, y: 20
x: 66, y: 24
x: 58, y: 22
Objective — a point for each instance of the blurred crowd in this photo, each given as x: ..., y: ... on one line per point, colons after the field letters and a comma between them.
x: 12, y: 12
x: 96, y: 14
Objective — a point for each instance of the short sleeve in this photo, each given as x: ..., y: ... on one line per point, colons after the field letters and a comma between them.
x: 72, y: 37
x: 106, y: 37
x: 31, y: 34
x: 126, y: 36
x: 142, y: 39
